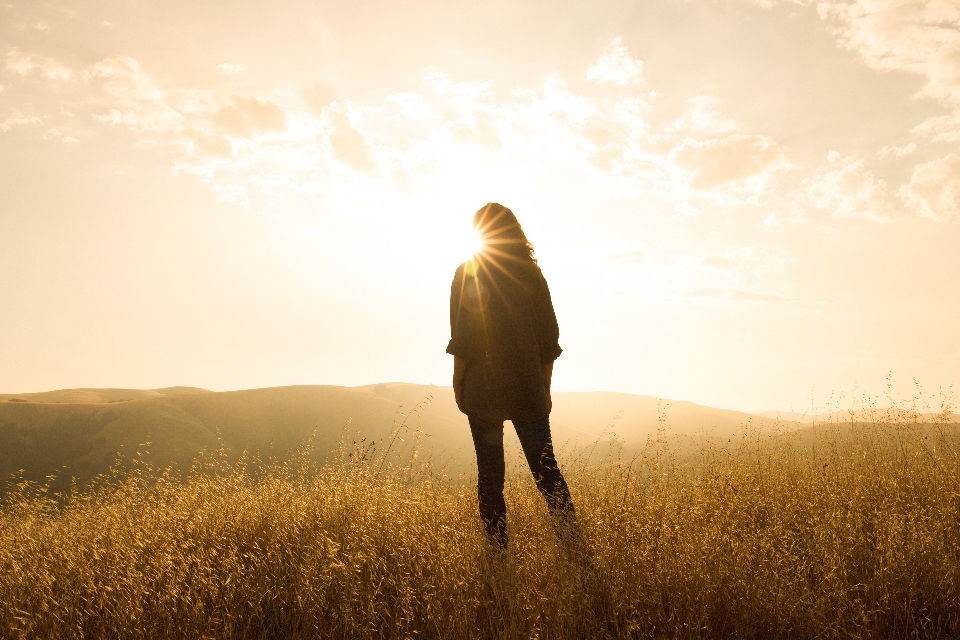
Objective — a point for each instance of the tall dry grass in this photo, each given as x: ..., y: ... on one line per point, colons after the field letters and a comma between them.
x: 850, y: 531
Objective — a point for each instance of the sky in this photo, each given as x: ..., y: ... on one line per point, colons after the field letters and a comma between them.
x: 748, y: 205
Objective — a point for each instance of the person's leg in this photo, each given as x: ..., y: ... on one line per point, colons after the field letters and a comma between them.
x: 538, y: 449
x: 488, y: 442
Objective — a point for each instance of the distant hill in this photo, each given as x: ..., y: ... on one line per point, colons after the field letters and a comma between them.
x: 97, y: 396
x: 78, y: 432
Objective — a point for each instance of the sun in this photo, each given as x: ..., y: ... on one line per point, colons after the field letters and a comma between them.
x: 471, y: 243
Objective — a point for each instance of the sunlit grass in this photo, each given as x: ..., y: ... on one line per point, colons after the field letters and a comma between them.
x: 848, y: 531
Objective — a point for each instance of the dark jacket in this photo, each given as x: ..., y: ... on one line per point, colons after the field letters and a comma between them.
x: 503, y: 324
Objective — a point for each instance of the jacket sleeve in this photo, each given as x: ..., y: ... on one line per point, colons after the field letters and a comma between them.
x: 459, y: 344
x: 549, y: 331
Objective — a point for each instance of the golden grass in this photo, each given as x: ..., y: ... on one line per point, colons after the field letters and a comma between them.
x: 851, y: 532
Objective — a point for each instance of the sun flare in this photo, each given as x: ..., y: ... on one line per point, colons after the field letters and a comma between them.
x: 471, y: 243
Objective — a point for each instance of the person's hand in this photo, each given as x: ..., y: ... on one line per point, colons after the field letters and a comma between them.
x: 547, y: 377
x: 458, y: 396
x: 459, y: 370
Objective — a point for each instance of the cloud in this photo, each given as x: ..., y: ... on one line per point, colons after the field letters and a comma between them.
x: 941, y: 128
x: 918, y: 36
x: 698, y: 155
x: 616, y: 66
x: 242, y: 146
x: 15, y: 118
x: 934, y: 189
x: 193, y: 121
x: 411, y: 105
x: 56, y: 134
x: 246, y: 117
x: 915, y: 36
x: 475, y: 130
x: 200, y: 144
x: 125, y: 80
x: 791, y: 214
x: 718, y: 160
x: 348, y: 143
x: 310, y: 143
x: 898, y: 151
x: 24, y: 65
x: 469, y: 91
x: 714, y: 157
x: 687, y: 210
x: 843, y: 189
x: 132, y: 97
x: 230, y: 69
x: 318, y: 95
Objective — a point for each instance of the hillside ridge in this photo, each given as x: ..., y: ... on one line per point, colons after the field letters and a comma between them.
x: 79, y: 432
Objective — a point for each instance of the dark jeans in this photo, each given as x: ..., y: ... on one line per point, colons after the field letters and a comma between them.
x: 538, y: 449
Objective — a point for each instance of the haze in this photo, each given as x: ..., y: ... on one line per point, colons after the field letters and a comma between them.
x: 740, y: 204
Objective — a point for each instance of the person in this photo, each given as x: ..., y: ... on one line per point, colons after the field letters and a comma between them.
x: 504, y: 340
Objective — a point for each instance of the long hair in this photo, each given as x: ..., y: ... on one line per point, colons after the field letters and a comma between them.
x: 502, y: 235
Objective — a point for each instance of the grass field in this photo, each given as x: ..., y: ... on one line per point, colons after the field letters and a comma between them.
x: 844, y: 530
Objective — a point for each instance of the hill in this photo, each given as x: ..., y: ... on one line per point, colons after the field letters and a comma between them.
x: 97, y: 396
x: 78, y: 432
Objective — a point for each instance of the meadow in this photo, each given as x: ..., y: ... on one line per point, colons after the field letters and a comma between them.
x: 839, y: 530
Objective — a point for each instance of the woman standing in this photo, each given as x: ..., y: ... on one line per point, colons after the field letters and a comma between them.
x: 504, y: 339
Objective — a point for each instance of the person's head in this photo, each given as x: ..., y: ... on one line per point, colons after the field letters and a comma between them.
x: 502, y: 234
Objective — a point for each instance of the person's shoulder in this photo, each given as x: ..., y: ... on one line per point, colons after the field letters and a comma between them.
x: 465, y: 269
x: 543, y: 288
x: 538, y: 274
x: 468, y: 268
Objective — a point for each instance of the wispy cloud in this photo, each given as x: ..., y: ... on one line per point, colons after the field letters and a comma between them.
x: 905, y: 150
x: 616, y: 66
x: 15, y: 118
x: 934, y: 189
x: 24, y: 65
x: 921, y: 37
x: 348, y: 143
x: 842, y: 188
x: 230, y: 69
x: 307, y: 143
x: 247, y: 117
x: 917, y: 36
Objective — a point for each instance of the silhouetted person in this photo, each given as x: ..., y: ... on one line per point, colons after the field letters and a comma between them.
x: 504, y: 339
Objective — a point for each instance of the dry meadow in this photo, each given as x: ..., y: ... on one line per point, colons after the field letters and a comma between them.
x: 839, y: 531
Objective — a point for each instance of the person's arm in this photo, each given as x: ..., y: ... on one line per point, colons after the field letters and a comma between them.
x: 458, y: 346
x: 547, y: 329
x: 459, y: 368
x: 547, y: 376
x: 549, y: 336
